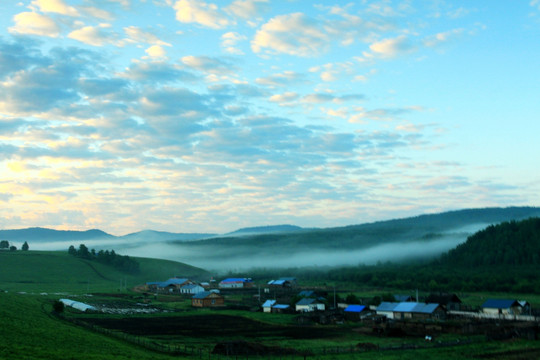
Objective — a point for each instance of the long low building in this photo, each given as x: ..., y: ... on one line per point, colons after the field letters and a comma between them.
x: 77, y: 305
x: 410, y: 310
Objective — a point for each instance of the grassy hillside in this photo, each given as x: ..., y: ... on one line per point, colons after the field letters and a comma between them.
x: 44, y: 271
x: 28, y: 331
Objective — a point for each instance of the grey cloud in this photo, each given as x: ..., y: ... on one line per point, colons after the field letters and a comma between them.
x: 20, y: 55
x: 101, y: 86
x: 158, y: 72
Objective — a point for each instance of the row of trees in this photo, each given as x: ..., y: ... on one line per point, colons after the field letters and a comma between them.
x: 120, y: 262
x: 4, y: 245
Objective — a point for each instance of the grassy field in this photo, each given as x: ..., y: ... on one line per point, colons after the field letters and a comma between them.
x: 59, y: 272
x: 31, y: 281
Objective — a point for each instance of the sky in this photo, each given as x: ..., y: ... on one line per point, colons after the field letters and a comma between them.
x: 193, y: 116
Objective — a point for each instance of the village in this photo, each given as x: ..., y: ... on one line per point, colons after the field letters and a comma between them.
x: 397, y: 314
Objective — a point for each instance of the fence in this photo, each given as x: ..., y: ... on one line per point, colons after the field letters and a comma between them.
x: 481, y: 315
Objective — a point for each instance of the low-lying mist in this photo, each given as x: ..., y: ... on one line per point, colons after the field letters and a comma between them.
x: 230, y: 256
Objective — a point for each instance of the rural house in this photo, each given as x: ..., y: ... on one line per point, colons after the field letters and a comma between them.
x: 411, y: 310
x: 355, y: 312
x: 191, y: 289
x: 171, y: 285
x: 207, y: 299
x: 502, y: 307
x: 448, y: 301
x: 403, y: 298
x: 284, y: 282
x: 271, y: 306
x: 267, y: 306
x: 386, y: 309
x: 309, y: 305
x: 235, y: 283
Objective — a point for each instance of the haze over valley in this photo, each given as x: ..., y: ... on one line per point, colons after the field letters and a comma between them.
x: 400, y: 240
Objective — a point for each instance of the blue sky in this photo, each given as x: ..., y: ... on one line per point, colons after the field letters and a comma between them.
x: 191, y: 116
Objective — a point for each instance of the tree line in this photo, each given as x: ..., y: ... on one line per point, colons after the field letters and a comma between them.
x: 4, y: 245
x: 120, y: 262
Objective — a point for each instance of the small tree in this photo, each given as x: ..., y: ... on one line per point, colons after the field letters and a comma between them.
x: 58, y: 306
x: 12, y: 248
x: 72, y: 250
x: 4, y: 244
x: 25, y: 246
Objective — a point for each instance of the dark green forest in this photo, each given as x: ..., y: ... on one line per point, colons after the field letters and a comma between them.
x: 119, y: 262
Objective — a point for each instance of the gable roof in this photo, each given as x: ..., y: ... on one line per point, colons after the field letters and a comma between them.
x: 387, y: 306
x: 173, y: 281
x: 234, y: 280
x: 204, y: 295
x: 408, y: 307
x: 355, y: 308
x: 443, y: 298
x: 308, y: 301
x: 269, y: 303
x: 402, y: 298
x: 281, y: 306
x: 500, y: 304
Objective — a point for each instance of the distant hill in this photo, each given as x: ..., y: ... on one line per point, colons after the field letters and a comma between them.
x: 265, y: 230
x: 508, y: 243
x: 37, y: 234
x: 156, y: 236
x: 424, y: 236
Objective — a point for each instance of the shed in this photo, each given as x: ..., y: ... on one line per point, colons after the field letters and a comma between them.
x: 502, y: 307
x: 267, y: 306
x: 354, y: 312
x: 78, y: 305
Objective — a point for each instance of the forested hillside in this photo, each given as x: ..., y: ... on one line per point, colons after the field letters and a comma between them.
x: 508, y: 243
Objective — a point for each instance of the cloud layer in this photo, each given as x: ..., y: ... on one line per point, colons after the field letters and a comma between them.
x: 216, y: 116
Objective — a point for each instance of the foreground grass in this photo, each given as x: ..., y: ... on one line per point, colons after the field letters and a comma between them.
x: 27, y: 331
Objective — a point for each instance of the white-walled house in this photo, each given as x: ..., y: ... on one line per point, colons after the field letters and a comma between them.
x: 191, y: 289
x: 309, y: 305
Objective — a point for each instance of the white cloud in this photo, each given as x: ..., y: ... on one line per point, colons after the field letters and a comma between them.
x: 294, y: 34
x: 55, y: 6
x: 156, y: 51
x: 205, y: 14
x: 391, y: 48
x: 442, y: 37
x: 285, y: 97
x: 92, y: 35
x: 229, y: 41
x: 34, y: 24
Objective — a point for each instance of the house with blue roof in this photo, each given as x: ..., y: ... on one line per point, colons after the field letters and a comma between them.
x: 191, y: 289
x: 502, y: 307
x: 235, y: 283
x: 271, y: 306
x: 355, y: 312
x: 207, y: 299
x: 170, y: 285
x: 411, y: 310
x: 309, y: 305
